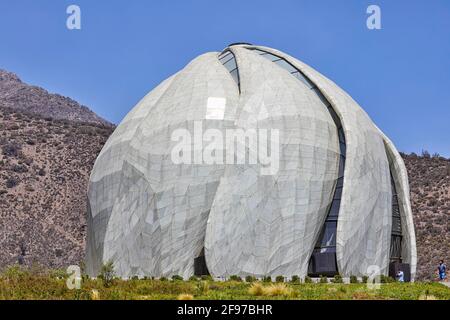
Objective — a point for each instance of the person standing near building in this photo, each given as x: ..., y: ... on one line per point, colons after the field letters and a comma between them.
x: 442, y: 270
x: 400, y: 276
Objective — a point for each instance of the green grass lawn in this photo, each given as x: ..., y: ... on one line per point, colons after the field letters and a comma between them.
x: 17, y: 284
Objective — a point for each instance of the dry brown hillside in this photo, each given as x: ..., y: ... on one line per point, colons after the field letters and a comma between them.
x: 44, y: 169
x: 429, y: 179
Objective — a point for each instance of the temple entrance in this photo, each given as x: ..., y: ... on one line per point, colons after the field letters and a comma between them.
x: 200, y: 268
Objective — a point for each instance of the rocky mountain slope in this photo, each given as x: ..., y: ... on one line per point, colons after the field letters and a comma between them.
x: 44, y: 170
x: 17, y: 95
x: 429, y: 181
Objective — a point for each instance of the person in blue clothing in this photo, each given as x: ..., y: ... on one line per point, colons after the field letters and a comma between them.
x: 400, y: 276
x: 442, y: 270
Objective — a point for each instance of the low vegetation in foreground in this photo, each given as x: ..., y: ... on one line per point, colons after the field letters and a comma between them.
x: 20, y: 284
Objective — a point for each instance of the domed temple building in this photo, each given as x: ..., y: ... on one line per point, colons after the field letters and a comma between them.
x: 335, y: 201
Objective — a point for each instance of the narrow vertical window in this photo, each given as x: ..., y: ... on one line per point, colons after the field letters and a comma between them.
x: 228, y: 60
x: 396, y: 233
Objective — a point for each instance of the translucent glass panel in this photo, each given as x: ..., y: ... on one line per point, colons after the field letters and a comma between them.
x: 287, y: 66
x: 328, y: 236
x: 323, y: 260
x: 228, y: 60
x: 396, y: 220
x: 396, y: 249
x: 396, y: 233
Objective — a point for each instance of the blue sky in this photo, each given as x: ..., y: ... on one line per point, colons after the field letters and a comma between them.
x: 400, y: 75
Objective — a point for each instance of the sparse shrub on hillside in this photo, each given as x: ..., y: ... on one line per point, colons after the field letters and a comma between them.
x: 13, y: 127
x: 11, y: 182
x: 18, y: 168
x: 425, y: 154
x: 436, y: 155
x: 11, y: 150
x: 88, y: 130
x: 28, y: 161
x: 41, y: 172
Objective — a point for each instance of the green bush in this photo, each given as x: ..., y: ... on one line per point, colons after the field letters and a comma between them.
x: 295, y: 279
x: 163, y: 279
x: 365, y: 279
x: 177, y: 278
x: 279, y: 279
x: 267, y: 279
x: 353, y: 279
x: 337, y: 279
x: 235, y: 278
x: 193, y: 278
x: 323, y: 279
x: 107, y: 274
x: 250, y: 279
x: 308, y: 279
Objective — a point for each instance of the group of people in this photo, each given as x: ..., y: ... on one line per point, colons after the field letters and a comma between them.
x: 441, y: 270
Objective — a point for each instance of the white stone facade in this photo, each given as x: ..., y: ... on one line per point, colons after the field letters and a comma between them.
x: 153, y: 217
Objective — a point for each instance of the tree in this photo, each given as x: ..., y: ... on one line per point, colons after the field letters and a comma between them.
x: 425, y: 154
x: 107, y: 274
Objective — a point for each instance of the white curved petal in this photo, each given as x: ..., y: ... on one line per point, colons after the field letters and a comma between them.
x: 400, y: 175
x: 364, y: 225
x: 268, y: 224
x: 152, y: 220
